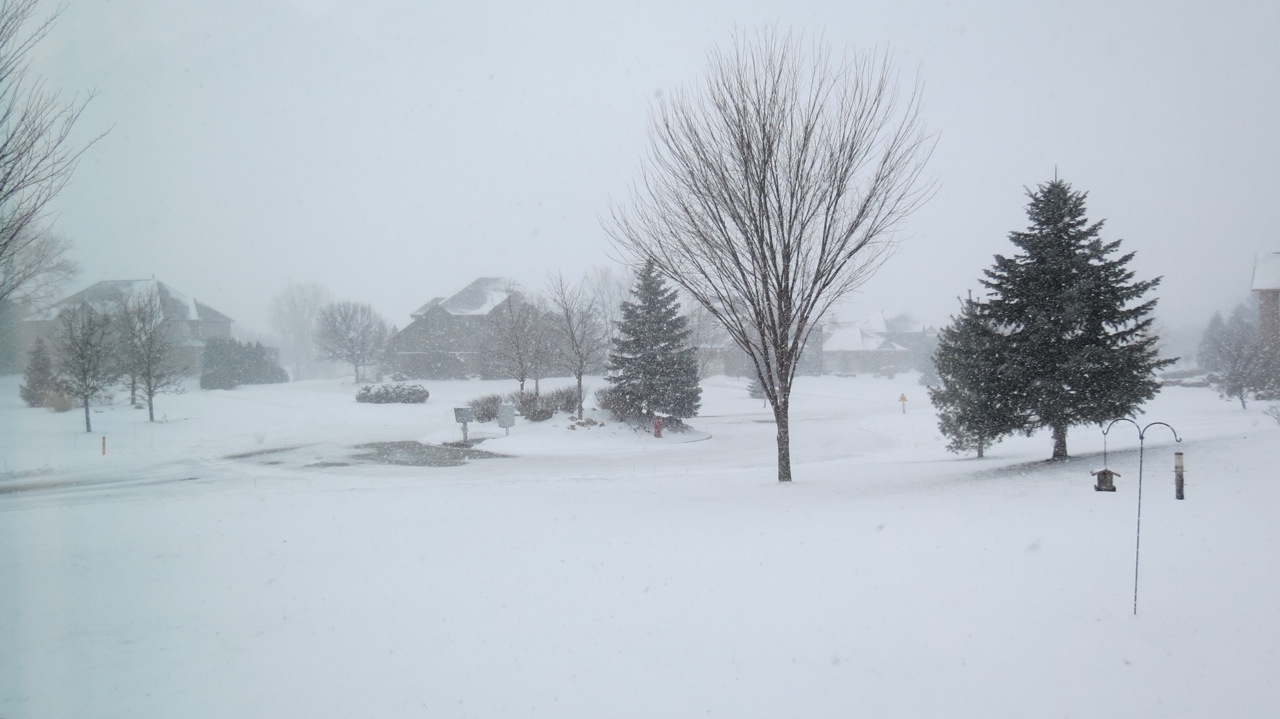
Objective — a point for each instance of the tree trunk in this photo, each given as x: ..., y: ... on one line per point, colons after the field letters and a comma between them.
x: 87, y: 427
x: 981, y: 446
x: 1059, y: 441
x: 781, y: 416
x: 151, y: 407
x: 580, y: 395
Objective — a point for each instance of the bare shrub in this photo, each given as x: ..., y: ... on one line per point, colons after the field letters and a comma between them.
x: 531, y: 406
x: 59, y: 402
x: 564, y: 399
x: 486, y: 407
x: 607, y: 401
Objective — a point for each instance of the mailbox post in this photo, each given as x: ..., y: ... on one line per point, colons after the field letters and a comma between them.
x: 507, y: 417
x: 463, y: 416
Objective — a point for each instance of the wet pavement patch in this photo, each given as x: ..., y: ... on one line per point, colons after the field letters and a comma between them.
x: 416, y: 454
x: 260, y: 452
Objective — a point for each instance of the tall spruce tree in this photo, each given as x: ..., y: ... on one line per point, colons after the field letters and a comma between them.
x: 1077, y: 345
x: 651, y: 367
x: 973, y: 411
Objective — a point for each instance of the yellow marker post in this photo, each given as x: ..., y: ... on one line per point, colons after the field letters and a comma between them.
x: 903, y: 399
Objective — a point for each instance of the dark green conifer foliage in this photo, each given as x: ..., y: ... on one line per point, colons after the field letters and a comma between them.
x: 973, y: 410
x: 229, y: 363
x: 652, y: 369
x: 1078, y: 345
x: 38, y: 380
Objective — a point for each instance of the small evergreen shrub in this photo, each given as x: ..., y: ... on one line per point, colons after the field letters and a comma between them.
x: 486, y: 407
x: 393, y: 394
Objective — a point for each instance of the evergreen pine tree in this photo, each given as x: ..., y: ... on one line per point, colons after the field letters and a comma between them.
x: 651, y: 367
x: 973, y: 411
x: 1076, y: 332
x: 38, y: 380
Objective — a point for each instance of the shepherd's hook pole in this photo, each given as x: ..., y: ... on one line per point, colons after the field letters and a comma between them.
x: 1137, y: 545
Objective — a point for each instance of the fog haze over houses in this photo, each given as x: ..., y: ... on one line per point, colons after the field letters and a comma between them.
x: 393, y: 151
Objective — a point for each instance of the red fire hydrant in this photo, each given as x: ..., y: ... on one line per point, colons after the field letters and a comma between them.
x: 657, y: 427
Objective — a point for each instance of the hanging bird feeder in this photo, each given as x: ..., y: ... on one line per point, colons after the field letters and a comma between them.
x: 1105, y: 480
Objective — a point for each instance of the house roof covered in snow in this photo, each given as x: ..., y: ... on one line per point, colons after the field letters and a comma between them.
x: 477, y: 298
x: 1266, y: 271
x: 104, y: 295
x: 852, y: 337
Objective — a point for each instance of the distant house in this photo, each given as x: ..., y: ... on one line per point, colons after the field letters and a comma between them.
x: 446, y: 339
x: 193, y: 321
x: 1266, y: 282
x: 855, y: 347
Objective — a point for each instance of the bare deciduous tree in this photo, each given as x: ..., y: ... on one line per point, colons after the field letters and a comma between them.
x: 34, y: 267
x: 520, y: 339
x: 583, y: 345
x: 294, y: 313
x: 351, y: 332
x: 36, y: 158
x: 86, y: 354
x: 773, y: 190
x: 609, y: 289
x: 149, y: 347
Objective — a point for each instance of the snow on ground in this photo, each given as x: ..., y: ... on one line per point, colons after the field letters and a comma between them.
x: 236, y: 559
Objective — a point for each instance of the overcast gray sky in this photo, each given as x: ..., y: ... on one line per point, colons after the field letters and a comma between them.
x: 395, y: 150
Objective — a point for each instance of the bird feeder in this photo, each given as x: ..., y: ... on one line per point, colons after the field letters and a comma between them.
x: 1105, y: 480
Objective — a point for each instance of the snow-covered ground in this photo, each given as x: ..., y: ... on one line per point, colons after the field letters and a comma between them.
x: 237, y: 560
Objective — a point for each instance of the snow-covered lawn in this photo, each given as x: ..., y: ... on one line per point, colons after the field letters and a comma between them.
x: 235, y: 560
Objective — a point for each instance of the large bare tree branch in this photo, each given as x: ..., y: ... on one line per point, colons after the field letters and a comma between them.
x: 37, y: 158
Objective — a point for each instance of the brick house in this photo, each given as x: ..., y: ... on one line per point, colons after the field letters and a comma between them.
x: 446, y: 339
x: 193, y: 321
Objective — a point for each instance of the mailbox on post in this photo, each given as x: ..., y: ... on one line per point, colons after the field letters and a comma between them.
x: 464, y: 415
x: 507, y: 417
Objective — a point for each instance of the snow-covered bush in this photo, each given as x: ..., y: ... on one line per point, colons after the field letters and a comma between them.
x: 393, y: 394
x: 486, y: 407
x: 1273, y: 412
